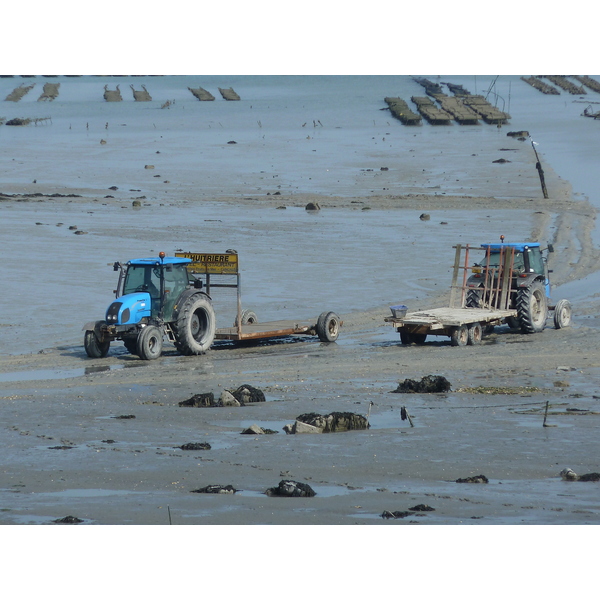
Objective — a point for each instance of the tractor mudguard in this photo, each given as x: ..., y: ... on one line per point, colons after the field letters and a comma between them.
x: 98, y: 327
x: 527, y: 279
x: 475, y: 281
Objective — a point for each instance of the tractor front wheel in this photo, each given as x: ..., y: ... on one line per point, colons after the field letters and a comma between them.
x: 149, y: 343
x: 95, y: 348
x: 532, y: 308
x: 130, y: 343
x: 196, y: 325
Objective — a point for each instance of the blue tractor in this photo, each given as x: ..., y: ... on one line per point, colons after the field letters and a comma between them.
x: 155, y: 297
x: 525, y: 269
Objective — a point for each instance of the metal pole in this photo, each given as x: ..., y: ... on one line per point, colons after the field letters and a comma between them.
x: 239, y: 304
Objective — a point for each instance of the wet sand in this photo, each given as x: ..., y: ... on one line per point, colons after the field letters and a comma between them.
x: 69, y: 454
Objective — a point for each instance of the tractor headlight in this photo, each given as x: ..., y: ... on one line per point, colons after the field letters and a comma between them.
x: 112, y: 314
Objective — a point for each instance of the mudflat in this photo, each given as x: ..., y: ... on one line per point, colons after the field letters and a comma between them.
x: 101, y: 440
x: 105, y: 441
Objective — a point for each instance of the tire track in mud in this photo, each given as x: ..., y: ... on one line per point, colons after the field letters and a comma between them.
x: 574, y: 255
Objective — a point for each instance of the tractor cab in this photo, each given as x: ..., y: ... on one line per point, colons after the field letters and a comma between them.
x: 164, y: 280
x: 148, y: 288
x: 528, y: 263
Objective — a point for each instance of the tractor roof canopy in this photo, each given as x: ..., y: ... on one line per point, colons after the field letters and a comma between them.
x: 167, y: 260
x: 519, y: 247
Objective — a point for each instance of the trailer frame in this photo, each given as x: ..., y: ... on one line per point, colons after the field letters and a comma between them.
x: 326, y: 326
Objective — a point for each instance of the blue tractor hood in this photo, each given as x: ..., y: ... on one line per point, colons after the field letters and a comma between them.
x: 129, y: 309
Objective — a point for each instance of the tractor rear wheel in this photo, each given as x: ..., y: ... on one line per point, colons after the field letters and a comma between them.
x: 93, y: 347
x: 473, y: 299
x: 149, y: 343
x: 328, y: 327
x: 196, y: 325
x: 459, y: 336
x: 532, y: 308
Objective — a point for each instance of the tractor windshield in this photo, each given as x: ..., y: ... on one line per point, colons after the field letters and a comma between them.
x: 142, y: 278
x: 495, y: 260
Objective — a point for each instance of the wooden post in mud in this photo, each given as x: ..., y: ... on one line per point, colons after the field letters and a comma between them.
x: 404, y: 415
x: 545, y: 414
x: 538, y: 166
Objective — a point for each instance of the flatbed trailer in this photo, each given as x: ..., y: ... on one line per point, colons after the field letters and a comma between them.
x: 464, y: 322
x: 222, y: 271
x: 271, y: 329
x: 463, y: 325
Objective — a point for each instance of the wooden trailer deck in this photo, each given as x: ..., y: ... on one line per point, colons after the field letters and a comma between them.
x: 437, y: 319
x: 272, y: 329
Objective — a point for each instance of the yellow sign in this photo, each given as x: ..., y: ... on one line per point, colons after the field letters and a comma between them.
x: 220, y: 264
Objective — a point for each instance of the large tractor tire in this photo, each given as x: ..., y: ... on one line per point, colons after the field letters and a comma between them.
x: 532, y: 308
x: 473, y: 299
x: 328, y: 327
x: 149, y: 343
x: 195, y: 326
x: 94, y: 347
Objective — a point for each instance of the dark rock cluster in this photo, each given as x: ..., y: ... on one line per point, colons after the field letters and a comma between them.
x: 430, y: 384
x: 291, y: 489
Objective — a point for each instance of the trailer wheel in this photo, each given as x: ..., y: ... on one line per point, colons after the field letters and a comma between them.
x: 94, y: 348
x: 149, y: 343
x: 195, y: 327
x: 248, y: 318
x: 459, y: 336
x: 405, y: 337
x: 532, y: 308
x: 562, y: 314
x: 328, y: 327
x: 474, y: 334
